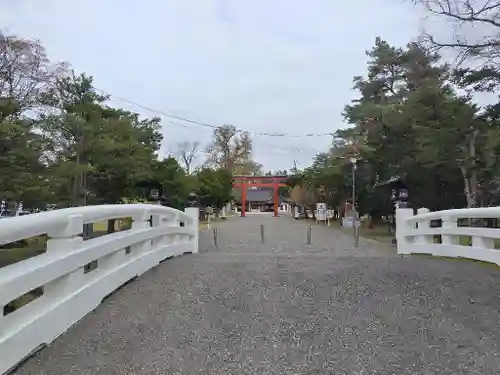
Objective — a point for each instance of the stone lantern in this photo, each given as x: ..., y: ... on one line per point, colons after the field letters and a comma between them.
x: 399, y: 198
x: 192, y: 200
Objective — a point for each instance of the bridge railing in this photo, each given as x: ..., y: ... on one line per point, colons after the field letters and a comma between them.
x: 67, y: 288
x: 451, y: 233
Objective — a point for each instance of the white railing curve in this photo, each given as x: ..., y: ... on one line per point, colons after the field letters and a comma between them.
x: 415, y: 235
x: 68, y: 292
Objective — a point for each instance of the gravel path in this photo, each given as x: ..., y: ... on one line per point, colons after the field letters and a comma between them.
x: 287, y: 308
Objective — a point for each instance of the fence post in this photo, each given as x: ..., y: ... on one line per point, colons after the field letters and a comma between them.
x: 424, y: 225
x: 309, y: 234
x: 449, y: 223
x: 61, y: 242
x: 402, y: 228
x: 141, y: 220
x: 163, y: 221
x: 194, y: 213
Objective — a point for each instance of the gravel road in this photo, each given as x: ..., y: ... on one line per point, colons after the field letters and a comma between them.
x: 284, y: 307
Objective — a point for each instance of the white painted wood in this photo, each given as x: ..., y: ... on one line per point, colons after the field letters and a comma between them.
x: 69, y: 293
x: 403, y: 225
x: 414, y: 234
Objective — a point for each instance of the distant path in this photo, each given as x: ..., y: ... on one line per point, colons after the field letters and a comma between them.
x: 286, y: 236
x: 286, y: 308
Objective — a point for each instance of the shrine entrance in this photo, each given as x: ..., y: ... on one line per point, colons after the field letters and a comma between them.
x: 269, y: 182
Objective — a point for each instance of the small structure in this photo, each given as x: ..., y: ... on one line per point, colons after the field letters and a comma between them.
x: 398, y: 197
x: 257, y: 200
x: 272, y: 183
x: 152, y: 190
x: 398, y: 190
x: 321, y: 212
x: 350, y: 217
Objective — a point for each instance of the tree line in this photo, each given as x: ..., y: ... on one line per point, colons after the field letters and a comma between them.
x: 416, y: 118
x: 62, y: 145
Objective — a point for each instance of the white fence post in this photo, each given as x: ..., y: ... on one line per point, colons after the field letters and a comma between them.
x: 140, y: 220
x: 402, y: 228
x: 449, y: 223
x: 424, y: 225
x: 157, y: 221
x: 194, y: 213
x: 61, y: 242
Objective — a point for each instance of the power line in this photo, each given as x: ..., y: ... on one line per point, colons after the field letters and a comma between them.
x: 276, y: 148
x: 212, y: 126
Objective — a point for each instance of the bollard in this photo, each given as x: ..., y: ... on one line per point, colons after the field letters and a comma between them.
x: 216, y: 237
x: 309, y: 234
x: 262, y: 233
x: 356, y: 236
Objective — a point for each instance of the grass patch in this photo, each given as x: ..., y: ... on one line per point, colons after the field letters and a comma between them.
x: 120, y: 224
x: 22, y: 301
x: 31, y: 247
x: 101, y: 226
x: 379, y: 232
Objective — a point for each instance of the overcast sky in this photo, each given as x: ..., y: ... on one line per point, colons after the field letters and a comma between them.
x: 263, y: 65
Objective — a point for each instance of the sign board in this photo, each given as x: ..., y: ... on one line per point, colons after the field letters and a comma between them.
x: 209, y: 210
x: 154, y: 193
x: 320, y: 206
x: 321, y: 215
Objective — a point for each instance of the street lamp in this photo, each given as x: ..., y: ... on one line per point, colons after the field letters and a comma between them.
x: 354, y: 160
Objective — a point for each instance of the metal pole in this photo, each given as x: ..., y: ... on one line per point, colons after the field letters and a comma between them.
x: 353, y: 186
x: 309, y: 234
x: 216, y: 237
x: 356, y: 234
x: 354, y: 198
x: 262, y: 233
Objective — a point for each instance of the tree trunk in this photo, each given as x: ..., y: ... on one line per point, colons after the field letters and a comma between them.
x: 469, y: 172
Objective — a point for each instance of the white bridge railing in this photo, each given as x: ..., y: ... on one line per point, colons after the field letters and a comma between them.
x: 450, y: 236
x: 69, y: 292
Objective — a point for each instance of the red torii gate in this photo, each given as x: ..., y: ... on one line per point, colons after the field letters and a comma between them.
x: 244, y: 182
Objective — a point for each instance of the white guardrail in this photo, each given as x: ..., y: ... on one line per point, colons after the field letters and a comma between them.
x: 414, y: 233
x: 68, y: 292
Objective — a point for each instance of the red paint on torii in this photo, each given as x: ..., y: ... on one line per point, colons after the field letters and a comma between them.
x: 242, y: 182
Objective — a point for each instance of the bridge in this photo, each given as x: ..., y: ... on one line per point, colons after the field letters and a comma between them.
x: 162, y: 298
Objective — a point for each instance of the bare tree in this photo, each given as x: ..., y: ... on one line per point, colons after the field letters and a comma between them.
x: 474, y: 26
x: 187, y: 152
x: 474, y: 39
x: 27, y: 77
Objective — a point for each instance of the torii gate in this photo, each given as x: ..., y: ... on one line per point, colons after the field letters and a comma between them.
x: 244, y: 182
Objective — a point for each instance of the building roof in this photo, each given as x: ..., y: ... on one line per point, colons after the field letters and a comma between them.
x: 259, y: 195
x: 262, y: 195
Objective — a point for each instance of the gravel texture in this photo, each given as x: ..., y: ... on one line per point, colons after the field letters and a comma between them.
x: 283, y: 307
